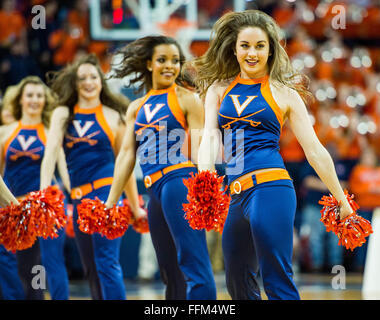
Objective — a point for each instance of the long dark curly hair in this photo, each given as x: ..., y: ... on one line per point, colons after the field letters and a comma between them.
x: 134, y: 58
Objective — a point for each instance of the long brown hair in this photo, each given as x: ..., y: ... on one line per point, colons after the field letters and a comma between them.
x: 135, y: 56
x: 64, y: 84
x: 12, y: 99
x: 220, y: 63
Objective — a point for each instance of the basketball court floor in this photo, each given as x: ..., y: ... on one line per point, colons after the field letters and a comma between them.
x: 310, y: 286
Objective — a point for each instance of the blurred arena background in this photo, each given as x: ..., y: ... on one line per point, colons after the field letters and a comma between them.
x: 335, y: 43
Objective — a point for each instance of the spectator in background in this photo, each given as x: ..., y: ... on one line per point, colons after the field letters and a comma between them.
x: 285, y: 15
x: 65, y: 43
x: 300, y: 42
x: 294, y: 159
x: 79, y: 16
x: 314, y: 229
x: 39, y: 38
x: 373, y: 109
x: 18, y: 64
x: 12, y: 28
x: 311, y: 227
x: 364, y: 182
x: 12, y: 24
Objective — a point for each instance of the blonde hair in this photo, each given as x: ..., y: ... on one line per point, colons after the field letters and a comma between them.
x: 220, y: 63
x: 13, y: 95
x: 4, y: 106
x: 9, y: 94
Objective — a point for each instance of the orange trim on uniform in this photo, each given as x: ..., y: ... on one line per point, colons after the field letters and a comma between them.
x: 238, y: 79
x: 11, y: 138
x: 142, y: 103
x: 155, y: 92
x: 78, y: 109
x: 41, y: 133
x: 267, y: 95
x: 263, y: 79
x: 99, y: 115
x: 102, y: 182
x: 154, y: 177
x: 175, y: 108
x: 229, y: 88
x: 239, y: 185
x: 83, y: 190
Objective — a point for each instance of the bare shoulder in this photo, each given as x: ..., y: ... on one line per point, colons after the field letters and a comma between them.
x: 109, y: 111
x: 61, y: 112
x: 188, y: 100
x: 7, y: 130
x: 285, y: 97
x: 135, y: 104
x: 218, y: 87
x: 186, y: 95
x: 133, y: 107
x: 112, y: 117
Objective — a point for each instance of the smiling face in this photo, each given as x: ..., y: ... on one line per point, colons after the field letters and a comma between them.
x: 165, y: 65
x: 252, y: 52
x: 89, y: 83
x: 32, y: 99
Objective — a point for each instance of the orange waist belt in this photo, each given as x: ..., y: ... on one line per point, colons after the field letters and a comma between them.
x: 83, y: 190
x: 243, y: 184
x: 154, y: 177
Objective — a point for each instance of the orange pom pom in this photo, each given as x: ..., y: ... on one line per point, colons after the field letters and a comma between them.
x: 69, y: 230
x: 93, y: 216
x: 140, y: 225
x: 90, y: 215
x: 352, y: 230
x: 116, y: 222
x: 17, y: 230
x: 40, y: 214
x: 47, y: 207
x: 208, y: 202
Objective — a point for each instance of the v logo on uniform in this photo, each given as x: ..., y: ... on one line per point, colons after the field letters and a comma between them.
x: 149, y: 114
x: 25, y: 144
x: 82, y: 130
x: 240, y: 107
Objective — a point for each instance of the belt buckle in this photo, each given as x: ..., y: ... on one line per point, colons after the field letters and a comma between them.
x: 236, y: 183
x: 78, y: 193
x: 148, y: 181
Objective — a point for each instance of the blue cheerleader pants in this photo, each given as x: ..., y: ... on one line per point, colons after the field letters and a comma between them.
x: 10, y: 283
x: 53, y: 259
x: 258, y: 237
x: 16, y: 270
x: 181, y: 251
x: 100, y: 257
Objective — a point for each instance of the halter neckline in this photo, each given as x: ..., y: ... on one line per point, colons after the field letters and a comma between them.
x: 77, y: 108
x: 161, y: 91
x: 239, y: 79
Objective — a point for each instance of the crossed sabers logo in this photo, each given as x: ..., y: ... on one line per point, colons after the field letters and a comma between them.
x: 149, y: 114
x: 25, y: 144
x: 239, y: 109
x: 81, y: 134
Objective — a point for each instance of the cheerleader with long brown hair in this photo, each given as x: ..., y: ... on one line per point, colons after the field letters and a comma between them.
x: 88, y: 121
